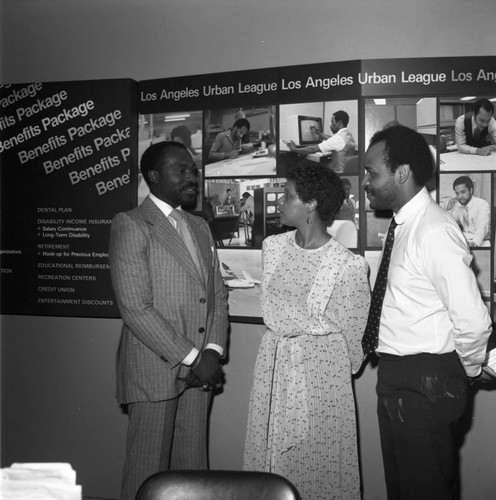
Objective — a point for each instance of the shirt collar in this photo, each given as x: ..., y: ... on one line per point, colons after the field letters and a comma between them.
x: 471, y: 203
x: 164, y: 207
x: 412, y: 207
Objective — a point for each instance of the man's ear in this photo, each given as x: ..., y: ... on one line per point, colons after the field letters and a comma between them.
x: 153, y: 176
x: 403, y: 172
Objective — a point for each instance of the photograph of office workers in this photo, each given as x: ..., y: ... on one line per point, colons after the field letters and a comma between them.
x: 467, y: 133
x: 240, y: 142
x: 467, y: 197
x: 184, y: 127
x: 243, y: 212
x: 319, y: 132
x: 417, y: 113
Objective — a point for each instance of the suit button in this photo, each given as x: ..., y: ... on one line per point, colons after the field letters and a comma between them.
x: 201, y: 330
x: 203, y: 300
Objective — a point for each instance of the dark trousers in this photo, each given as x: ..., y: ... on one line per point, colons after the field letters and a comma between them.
x: 421, y: 399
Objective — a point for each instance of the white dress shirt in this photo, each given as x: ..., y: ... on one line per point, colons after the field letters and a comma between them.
x: 461, y: 138
x: 475, y: 220
x: 166, y: 209
x: 334, y: 143
x: 432, y: 302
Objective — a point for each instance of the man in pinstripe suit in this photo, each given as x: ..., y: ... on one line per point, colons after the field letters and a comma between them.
x: 175, y: 321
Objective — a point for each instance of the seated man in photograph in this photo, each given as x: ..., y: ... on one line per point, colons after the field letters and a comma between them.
x: 340, y: 144
x: 227, y: 144
x: 229, y: 200
x: 472, y: 214
x: 475, y: 132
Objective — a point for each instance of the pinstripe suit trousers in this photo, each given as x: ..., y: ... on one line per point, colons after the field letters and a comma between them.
x: 165, y: 435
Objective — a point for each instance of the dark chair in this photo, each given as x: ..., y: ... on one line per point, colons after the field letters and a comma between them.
x: 217, y: 485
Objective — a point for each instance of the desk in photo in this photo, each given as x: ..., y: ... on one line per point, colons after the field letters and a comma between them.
x: 455, y: 161
x: 242, y: 166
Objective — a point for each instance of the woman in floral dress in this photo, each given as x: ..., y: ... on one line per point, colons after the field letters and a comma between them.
x: 315, y: 300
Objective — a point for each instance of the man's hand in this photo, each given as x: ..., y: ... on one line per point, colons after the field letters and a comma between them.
x: 291, y: 145
x: 208, y: 370
x: 232, y: 154
x: 191, y: 380
x: 484, y: 151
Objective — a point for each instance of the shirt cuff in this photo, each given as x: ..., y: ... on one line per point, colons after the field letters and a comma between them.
x: 215, y: 347
x: 188, y: 360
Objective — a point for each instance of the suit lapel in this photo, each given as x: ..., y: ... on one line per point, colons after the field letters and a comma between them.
x: 168, y: 237
x: 203, y: 244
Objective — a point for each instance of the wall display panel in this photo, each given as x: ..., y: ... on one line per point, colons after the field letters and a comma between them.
x: 62, y: 149
x: 68, y: 164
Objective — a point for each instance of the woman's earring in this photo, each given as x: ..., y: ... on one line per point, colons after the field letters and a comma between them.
x: 309, y: 221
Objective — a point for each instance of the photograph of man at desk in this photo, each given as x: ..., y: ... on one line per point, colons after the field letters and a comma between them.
x: 467, y: 198
x: 467, y: 133
x: 302, y: 129
x: 252, y: 216
x: 240, y: 142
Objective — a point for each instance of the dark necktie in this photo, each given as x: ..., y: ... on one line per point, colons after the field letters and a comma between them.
x: 371, y: 335
x: 185, y: 234
x: 477, y: 133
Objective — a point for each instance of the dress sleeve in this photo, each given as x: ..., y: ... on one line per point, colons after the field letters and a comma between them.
x: 352, y: 295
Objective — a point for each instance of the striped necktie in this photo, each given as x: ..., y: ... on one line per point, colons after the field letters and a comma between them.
x: 185, y: 234
x: 371, y: 335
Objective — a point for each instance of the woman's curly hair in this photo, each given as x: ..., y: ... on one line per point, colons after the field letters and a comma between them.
x: 319, y: 183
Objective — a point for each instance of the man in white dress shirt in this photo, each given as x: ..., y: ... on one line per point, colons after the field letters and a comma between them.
x: 434, y: 325
x: 475, y: 132
x: 472, y: 214
x: 341, y: 144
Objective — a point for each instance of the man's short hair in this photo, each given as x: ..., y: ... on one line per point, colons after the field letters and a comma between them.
x: 404, y: 146
x: 156, y: 155
x: 342, y: 116
x: 464, y: 179
x: 242, y: 122
x: 484, y: 104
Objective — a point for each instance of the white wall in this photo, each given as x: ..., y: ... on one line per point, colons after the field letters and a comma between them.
x: 50, y: 40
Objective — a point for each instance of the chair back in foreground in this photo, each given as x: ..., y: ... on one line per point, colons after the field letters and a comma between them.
x: 217, y: 485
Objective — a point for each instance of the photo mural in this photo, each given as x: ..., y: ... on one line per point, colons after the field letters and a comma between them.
x: 70, y: 157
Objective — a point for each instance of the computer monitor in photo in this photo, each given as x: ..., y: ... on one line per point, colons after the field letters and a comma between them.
x: 300, y: 129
